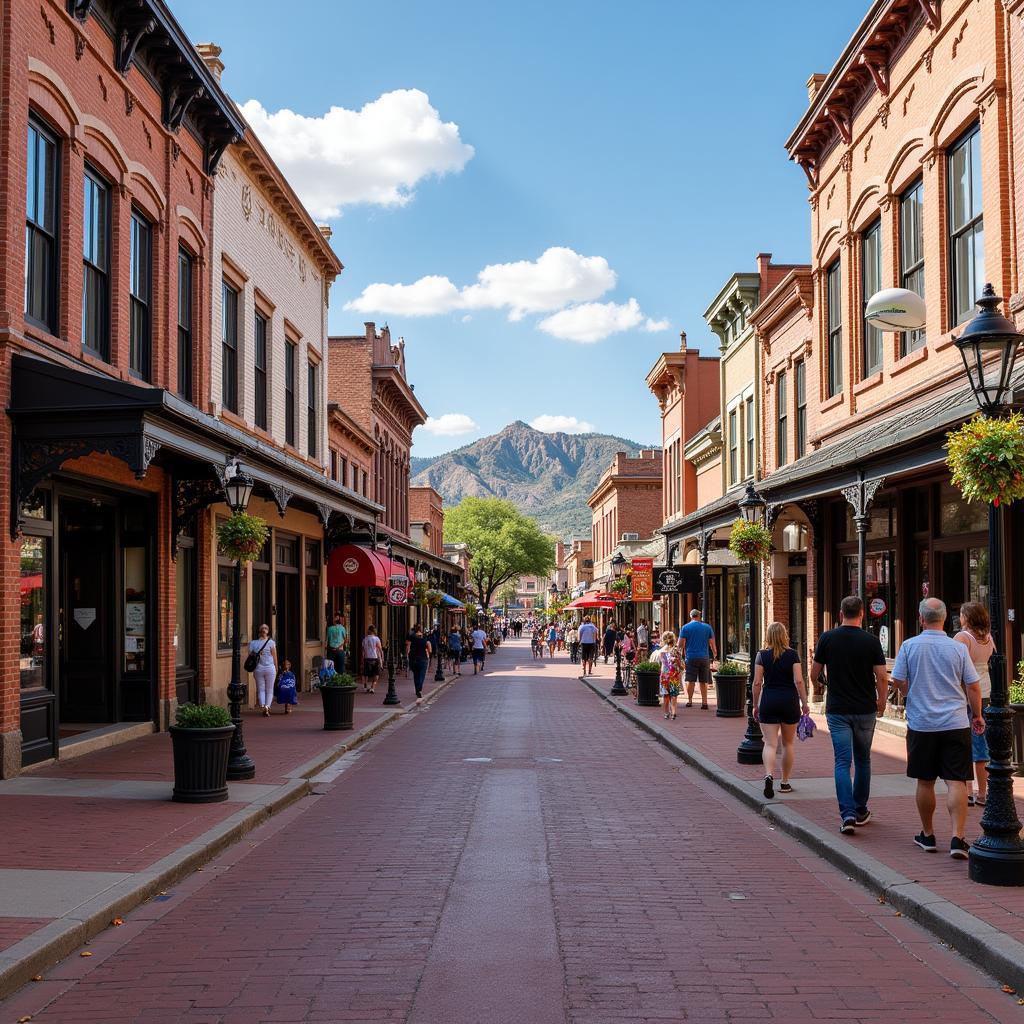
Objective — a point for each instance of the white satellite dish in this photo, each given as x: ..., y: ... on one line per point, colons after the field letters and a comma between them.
x: 896, y: 309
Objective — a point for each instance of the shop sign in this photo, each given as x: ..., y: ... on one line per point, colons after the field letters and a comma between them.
x: 350, y: 566
x: 643, y: 579
x: 85, y: 617
x: 877, y: 607
x: 677, y: 579
x: 397, y: 595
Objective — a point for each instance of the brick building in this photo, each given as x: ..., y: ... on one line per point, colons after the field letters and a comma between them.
x: 579, y: 566
x: 426, y: 519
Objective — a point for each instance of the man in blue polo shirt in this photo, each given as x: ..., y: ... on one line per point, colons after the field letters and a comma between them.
x: 698, y: 640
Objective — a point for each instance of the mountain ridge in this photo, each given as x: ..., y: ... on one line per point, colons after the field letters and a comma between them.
x: 547, y: 475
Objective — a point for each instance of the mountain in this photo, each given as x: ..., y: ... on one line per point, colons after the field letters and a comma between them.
x: 548, y: 476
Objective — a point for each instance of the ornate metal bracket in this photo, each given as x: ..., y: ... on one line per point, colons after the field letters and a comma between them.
x: 80, y: 9
x: 325, y: 512
x: 179, y: 97
x: 859, y: 496
x: 771, y: 513
x: 282, y: 497
x: 189, y: 496
x: 215, y: 149
x: 812, y: 510
x: 129, y: 35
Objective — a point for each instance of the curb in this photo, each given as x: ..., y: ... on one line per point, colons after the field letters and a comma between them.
x: 995, y: 952
x: 41, y: 950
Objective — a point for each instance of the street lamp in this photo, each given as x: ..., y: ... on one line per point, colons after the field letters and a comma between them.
x: 752, y: 507
x: 238, y: 487
x: 439, y: 671
x: 618, y: 690
x: 391, y: 698
x: 989, y: 345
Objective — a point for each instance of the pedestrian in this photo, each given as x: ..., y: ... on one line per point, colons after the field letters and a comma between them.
x: 479, y: 640
x: 976, y: 636
x: 670, y: 659
x: 286, y: 688
x: 698, y: 640
x: 643, y: 641
x: 417, y: 652
x: 455, y: 650
x: 779, y: 697
x: 933, y: 672
x: 265, y: 670
x: 373, y: 655
x: 337, y: 638
x: 856, y: 687
x: 552, y: 640
x: 588, y: 645
x: 572, y: 636
x: 610, y: 637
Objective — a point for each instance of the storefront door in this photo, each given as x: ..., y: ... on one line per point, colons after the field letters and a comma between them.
x: 87, y: 605
x: 798, y: 615
x: 287, y: 621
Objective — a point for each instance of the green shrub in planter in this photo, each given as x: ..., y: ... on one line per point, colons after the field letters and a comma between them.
x: 202, y: 716
x: 733, y: 668
x: 337, y: 679
x: 647, y: 666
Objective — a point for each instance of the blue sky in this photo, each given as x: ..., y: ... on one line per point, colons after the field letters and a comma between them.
x: 642, y: 142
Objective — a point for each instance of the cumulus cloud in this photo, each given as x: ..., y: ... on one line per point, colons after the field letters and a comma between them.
x: 595, y: 321
x: 377, y: 154
x: 549, y: 424
x: 557, y: 278
x: 451, y: 424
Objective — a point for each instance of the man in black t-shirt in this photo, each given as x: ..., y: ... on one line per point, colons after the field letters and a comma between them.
x: 857, y: 683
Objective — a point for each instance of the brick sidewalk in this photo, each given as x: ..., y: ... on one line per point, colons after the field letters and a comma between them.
x: 103, y: 826
x: 888, y: 838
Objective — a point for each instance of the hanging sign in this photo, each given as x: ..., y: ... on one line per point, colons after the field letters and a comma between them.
x: 397, y: 595
x: 85, y: 617
x: 643, y: 579
x: 677, y: 579
x: 877, y: 607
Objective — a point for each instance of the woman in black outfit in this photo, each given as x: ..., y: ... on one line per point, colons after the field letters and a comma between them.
x: 779, y: 697
x: 417, y: 651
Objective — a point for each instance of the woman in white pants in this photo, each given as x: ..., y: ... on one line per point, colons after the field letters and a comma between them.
x: 266, y: 668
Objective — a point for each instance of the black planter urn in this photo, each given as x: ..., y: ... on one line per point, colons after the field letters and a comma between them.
x: 731, y: 695
x: 201, y: 764
x: 339, y: 705
x: 647, y: 689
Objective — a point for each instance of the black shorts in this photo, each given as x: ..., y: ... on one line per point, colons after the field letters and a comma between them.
x: 940, y: 755
x: 588, y: 651
x: 698, y: 670
x: 478, y: 655
x: 371, y: 668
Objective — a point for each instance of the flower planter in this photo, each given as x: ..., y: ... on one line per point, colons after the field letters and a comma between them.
x: 1018, y: 738
x: 339, y: 705
x: 731, y: 695
x: 647, y: 689
x: 201, y: 764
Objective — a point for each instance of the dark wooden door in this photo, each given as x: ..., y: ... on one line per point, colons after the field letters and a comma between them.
x: 286, y: 626
x: 85, y: 657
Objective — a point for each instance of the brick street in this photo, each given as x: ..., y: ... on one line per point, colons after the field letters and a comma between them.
x: 514, y: 852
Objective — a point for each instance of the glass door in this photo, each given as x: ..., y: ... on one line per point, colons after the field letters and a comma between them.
x: 879, y: 595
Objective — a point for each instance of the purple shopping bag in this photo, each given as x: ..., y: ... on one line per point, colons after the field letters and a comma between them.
x: 805, y: 727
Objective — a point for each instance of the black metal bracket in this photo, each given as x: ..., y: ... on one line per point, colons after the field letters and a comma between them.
x: 180, y: 96
x: 129, y: 34
x: 282, y: 497
x: 190, y: 494
x: 80, y: 9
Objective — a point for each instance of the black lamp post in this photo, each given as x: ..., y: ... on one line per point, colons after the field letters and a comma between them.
x: 439, y: 671
x: 989, y: 345
x: 618, y: 690
x: 752, y: 507
x: 237, y: 492
x: 392, y: 695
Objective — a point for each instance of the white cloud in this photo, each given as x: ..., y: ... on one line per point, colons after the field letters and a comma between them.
x: 595, y: 321
x: 559, y: 277
x: 549, y: 424
x: 451, y: 424
x: 374, y: 155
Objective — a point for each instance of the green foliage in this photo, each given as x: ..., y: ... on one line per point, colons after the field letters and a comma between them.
x: 503, y: 543
x: 1017, y: 685
x: 201, y: 716
x: 241, y: 536
x: 647, y: 666
x: 620, y: 586
x: 733, y: 668
x: 507, y: 594
x: 338, y: 679
x: 985, y: 457
x: 750, y: 542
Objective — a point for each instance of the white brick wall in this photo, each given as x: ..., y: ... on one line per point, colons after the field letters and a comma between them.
x: 251, y: 234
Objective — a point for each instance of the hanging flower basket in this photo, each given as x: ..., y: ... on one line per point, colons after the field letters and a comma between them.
x: 750, y: 542
x: 433, y: 598
x: 241, y: 537
x: 986, y: 458
x: 419, y: 594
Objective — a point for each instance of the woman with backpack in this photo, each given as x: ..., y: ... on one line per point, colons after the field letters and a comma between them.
x: 262, y: 663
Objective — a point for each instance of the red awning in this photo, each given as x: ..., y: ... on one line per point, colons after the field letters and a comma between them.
x: 352, y: 565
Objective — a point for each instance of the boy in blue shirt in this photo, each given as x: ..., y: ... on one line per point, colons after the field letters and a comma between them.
x: 698, y: 642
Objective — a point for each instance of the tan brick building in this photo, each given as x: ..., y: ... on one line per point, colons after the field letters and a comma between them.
x: 579, y: 566
x: 426, y: 519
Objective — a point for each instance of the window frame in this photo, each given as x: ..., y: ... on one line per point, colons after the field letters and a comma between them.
x: 912, y: 273
x: 781, y: 418
x: 261, y: 349
x: 970, y: 227
x: 733, y: 422
x: 185, y: 330
x: 800, y: 408
x: 312, y: 419
x: 140, y: 350
x: 229, y: 347
x: 749, y: 438
x: 33, y: 227
x: 872, y: 354
x: 834, y: 328
x: 91, y: 271
x: 291, y: 355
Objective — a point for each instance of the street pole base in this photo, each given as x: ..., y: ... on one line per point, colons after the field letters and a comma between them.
x: 439, y: 675
x: 749, y: 752
x: 391, y: 699
x: 618, y: 690
x: 1001, y: 865
x: 241, y: 768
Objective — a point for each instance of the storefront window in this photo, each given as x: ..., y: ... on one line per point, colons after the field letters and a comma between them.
x: 34, y: 611
x: 879, y: 595
x: 959, y: 516
x: 225, y: 607
x: 737, y: 613
x: 135, y: 609
x: 36, y: 506
x: 314, y: 609
x: 184, y: 624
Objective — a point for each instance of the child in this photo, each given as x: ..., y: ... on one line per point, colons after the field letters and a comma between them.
x: 326, y: 669
x: 286, y: 694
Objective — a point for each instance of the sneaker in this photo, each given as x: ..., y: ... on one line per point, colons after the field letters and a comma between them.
x: 927, y: 843
x: 769, y: 787
x: 847, y: 827
x: 862, y: 819
x: 785, y: 787
x: 957, y: 848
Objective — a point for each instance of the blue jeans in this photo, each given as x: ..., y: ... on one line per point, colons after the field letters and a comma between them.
x: 419, y: 673
x: 851, y: 743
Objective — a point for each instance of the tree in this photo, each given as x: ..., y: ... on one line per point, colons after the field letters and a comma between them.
x: 503, y: 543
x: 507, y: 595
